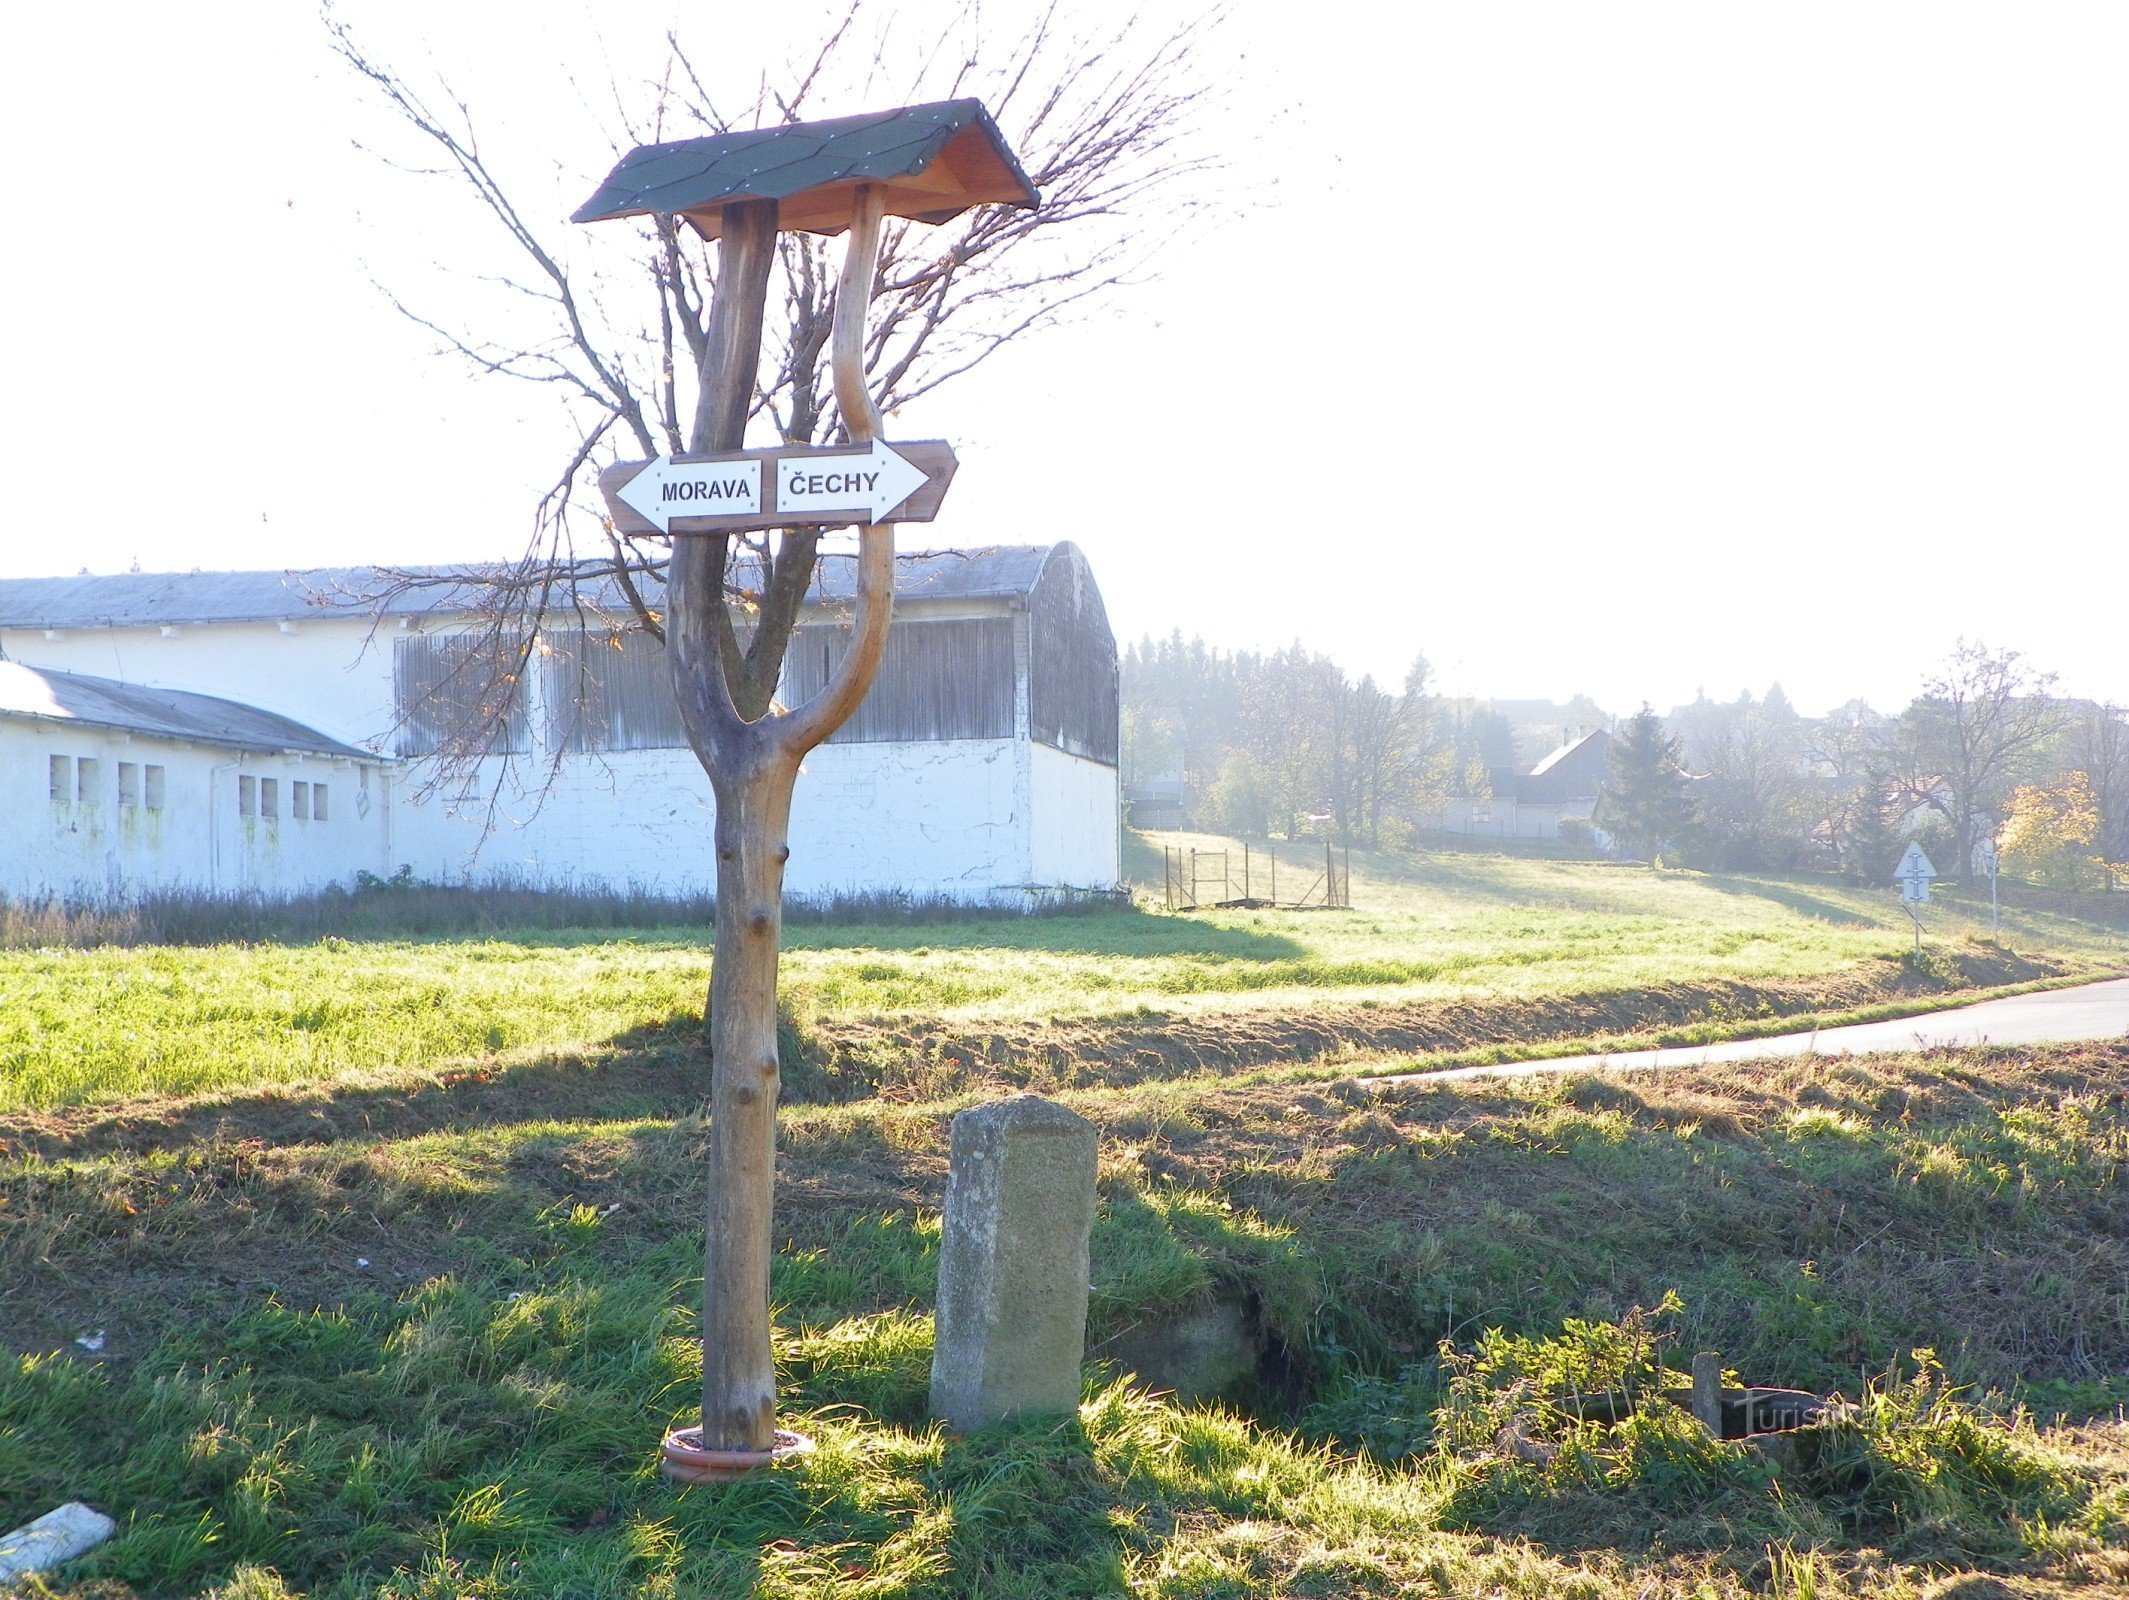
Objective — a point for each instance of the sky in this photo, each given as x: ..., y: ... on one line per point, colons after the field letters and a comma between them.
x: 1633, y: 350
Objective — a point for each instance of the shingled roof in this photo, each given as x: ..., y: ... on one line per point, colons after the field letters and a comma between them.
x: 935, y: 160
x: 74, y: 697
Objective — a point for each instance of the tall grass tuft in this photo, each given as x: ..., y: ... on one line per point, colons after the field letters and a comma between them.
x: 404, y: 907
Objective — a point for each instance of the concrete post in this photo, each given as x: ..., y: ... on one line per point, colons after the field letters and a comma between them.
x: 1012, y: 1312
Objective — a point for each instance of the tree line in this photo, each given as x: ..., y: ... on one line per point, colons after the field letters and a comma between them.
x: 1284, y: 742
x: 1287, y: 742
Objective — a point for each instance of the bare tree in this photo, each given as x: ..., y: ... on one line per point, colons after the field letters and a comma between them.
x: 1392, y: 758
x: 1104, y: 125
x: 1961, y: 747
x: 908, y: 312
x: 1755, y: 793
x: 1848, y: 749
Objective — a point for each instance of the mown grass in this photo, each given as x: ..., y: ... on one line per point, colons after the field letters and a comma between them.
x: 440, y: 1365
x: 85, y: 1024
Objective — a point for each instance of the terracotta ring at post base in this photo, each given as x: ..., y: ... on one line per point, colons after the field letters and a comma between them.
x: 685, y: 1461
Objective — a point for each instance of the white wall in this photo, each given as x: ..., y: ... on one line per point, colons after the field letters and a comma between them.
x: 946, y: 818
x: 1076, y: 842
x: 966, y: 819
x: 97, y: 848
x: 928, y: 819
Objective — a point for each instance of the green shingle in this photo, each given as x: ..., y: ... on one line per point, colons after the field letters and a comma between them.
x: 781, y: 163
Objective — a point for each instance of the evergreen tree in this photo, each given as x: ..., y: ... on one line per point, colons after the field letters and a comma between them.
x: 1873, y: 844
x: 1644, y: 805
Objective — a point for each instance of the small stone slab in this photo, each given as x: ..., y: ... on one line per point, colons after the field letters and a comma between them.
x: 52, y: 1540
x: 1013, y: 1264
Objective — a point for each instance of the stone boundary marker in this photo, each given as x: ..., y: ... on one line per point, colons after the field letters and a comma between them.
x: 52, y: 1540
x: 1012, y: 1308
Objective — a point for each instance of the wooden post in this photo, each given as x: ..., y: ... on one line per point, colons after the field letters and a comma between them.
x: 753, y: 767
x: 1707, y: 1390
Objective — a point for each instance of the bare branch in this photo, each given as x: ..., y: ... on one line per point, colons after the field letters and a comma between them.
x: 1105, y: 126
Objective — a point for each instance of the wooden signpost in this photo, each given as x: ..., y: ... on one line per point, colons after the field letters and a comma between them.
x: 927, y: 163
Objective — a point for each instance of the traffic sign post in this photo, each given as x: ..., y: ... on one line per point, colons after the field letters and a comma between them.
x: 1914, y: 875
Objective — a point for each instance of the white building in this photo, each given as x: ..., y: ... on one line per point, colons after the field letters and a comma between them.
x: 981, y: 767
x: 113, y: 790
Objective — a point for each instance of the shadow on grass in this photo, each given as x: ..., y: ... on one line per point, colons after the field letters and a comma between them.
x: 660, y: 1070
x: 1793, y: 898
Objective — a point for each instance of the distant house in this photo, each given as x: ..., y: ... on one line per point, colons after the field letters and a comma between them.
x: 1530, y: 805
x: 1156, y: 801
x: 982, y: 766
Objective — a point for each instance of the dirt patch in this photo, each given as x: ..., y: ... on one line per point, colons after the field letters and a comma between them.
x: 664, y: 1072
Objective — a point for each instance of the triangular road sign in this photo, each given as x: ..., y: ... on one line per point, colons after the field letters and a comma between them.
x: 1913, y: 875
x: 1914, y: 864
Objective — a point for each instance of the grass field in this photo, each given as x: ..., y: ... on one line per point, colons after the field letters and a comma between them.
x: 438, y: 1364
x: 399, y: 1301
x: 85, y: 1025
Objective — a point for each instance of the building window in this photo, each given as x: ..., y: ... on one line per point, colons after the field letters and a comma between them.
x: 317, y: 802
x: 270, y: 799
x: 62, y: 778
x: 299, y: 800
x: 128, y: 783
x: 152, y: 787
x: 247, y: 796
x: 88, y: 774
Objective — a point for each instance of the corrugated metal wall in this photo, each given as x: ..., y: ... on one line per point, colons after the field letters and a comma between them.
x: 609, y: 691
x: 937, y: 680
x: 446, y: 687
x: 1072, y: 691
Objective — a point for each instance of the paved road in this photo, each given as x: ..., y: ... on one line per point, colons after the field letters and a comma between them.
x: 2054, y: 1016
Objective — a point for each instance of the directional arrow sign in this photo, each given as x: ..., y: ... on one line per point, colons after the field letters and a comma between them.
x: 1913, y: 875
x: 797, y: 486
x: 667, y: 488
x: 872, y: 484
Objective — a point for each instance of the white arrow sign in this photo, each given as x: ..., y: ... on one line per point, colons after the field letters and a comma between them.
x: 1985, y: 861
x: 1913, y: 875
x: 667, y: 489
x: 873, y: 483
